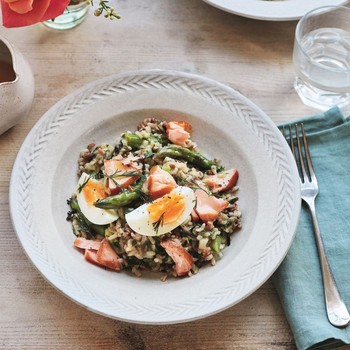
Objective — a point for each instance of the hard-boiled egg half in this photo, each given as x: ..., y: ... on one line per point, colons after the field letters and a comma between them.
x: 88, y: 192
x: 164, y: 214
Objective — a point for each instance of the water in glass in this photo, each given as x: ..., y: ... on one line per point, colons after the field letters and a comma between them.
x: 322, y: 63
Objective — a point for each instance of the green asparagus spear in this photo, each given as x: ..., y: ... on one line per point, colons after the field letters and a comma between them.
x: 122, y: 199
x: 192, y: 157
x: 132, y: 140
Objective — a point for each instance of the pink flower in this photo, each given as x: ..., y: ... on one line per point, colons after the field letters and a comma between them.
x: 20, y: 13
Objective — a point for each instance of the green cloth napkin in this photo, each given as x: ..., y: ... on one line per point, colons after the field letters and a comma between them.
x: 298, y: 280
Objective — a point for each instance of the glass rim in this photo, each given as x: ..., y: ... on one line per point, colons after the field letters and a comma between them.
x: 306, y: 17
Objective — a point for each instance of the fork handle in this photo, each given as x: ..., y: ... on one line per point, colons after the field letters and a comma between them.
x: 337, y: 312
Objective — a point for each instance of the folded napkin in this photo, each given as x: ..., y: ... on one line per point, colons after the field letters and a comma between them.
x: 298, y: 280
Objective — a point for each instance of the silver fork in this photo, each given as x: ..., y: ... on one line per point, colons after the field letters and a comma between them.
x: 337, y: 312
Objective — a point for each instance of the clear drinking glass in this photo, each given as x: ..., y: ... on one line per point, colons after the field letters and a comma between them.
x: 321, y: 57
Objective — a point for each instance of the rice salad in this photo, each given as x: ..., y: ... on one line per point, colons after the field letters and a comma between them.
x: 153, y: 202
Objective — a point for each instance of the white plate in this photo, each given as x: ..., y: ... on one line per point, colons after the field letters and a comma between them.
x: 286, y: 10
x: 226, y: 125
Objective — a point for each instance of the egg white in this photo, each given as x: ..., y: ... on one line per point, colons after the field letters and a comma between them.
x: 140, y: 222
x: 95, y: 215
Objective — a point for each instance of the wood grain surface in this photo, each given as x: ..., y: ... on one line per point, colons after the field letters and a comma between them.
x: 254, y: 57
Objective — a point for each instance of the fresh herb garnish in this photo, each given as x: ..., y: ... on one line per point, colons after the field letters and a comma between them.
x: 120, y: 173
x: 195, y: 185
x: 81, y: 186
x: 158, y: 223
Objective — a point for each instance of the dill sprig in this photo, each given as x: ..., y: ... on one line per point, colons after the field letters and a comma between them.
x: 195, y: 185
x: 158, y: 223
x: 121, y: 174
x: 81, y: 186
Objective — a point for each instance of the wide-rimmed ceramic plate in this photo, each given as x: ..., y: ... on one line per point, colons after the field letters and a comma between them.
x: 226, y: 125
x: 282, y: 10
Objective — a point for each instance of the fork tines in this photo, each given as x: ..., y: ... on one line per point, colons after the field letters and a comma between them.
x: 299, y: 147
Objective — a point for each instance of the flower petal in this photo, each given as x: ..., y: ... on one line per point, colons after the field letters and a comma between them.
x: 42, y: 11
x: 21, y: 6
x: 56, y: 8
x: 9, y: 1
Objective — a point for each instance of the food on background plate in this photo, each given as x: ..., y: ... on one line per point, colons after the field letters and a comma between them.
x: 153, y: 202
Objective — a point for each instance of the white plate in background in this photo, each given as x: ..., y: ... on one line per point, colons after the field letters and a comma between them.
x: 284, y: 10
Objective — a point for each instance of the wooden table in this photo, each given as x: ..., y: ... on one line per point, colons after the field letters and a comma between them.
x: 254, y: 57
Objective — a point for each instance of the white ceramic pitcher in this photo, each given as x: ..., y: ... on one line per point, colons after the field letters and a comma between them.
x: 16, y: 86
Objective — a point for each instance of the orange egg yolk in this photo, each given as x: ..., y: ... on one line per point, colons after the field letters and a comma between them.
x: 167, y: 209
x: 93, y: 190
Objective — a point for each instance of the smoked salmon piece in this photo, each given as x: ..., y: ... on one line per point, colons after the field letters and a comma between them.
x: 208, y: 207
x: 99, y: 252
x: 222, y: 181
x: 182, y: 258
x: 83, y: 243
x: 184, y: 125
x: 160, y: 182
x: 106, y: 256
x: 178, y: 132
x: 115, y: 168
x: 194, y: 216
x: 91, y: 255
